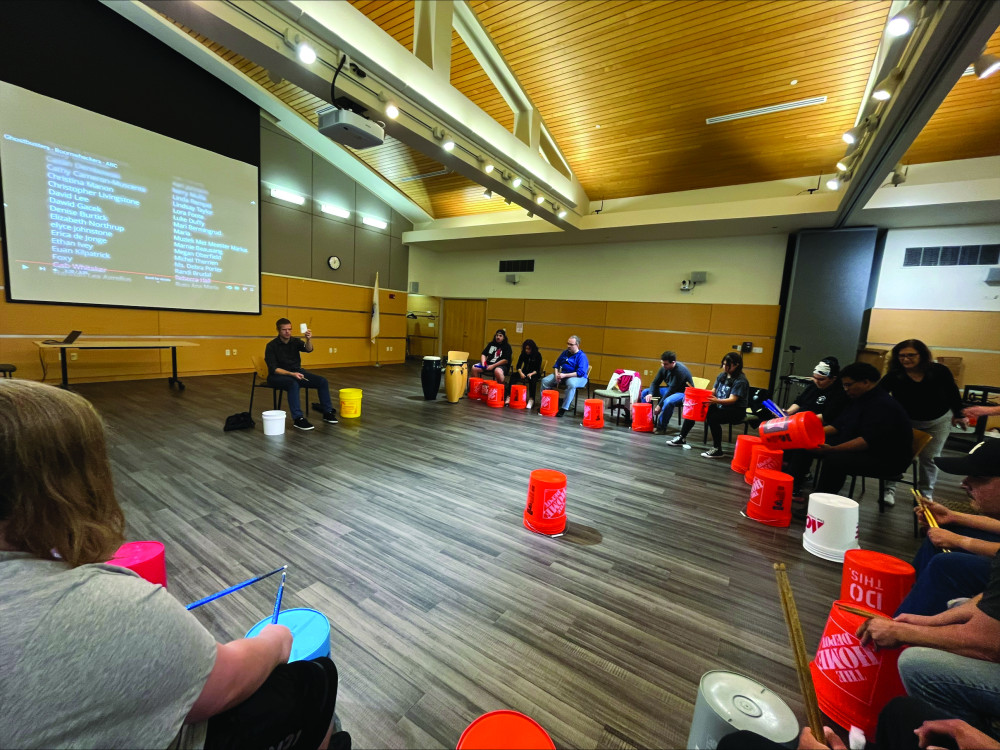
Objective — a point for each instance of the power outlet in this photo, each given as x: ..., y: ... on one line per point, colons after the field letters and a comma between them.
x: 227, y: 352
x: 758, y: 350
x: 331, y: 350
x: 72, y: 356
x: 430, y: 325
x: 234, y: 352
x: 334, y: 350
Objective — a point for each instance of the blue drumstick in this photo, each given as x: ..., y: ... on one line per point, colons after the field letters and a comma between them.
x: 277, y: 600
x: 773, y: 408
x: 237, y: 587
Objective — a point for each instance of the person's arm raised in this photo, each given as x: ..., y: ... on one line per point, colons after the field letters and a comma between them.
x: 240, y: 668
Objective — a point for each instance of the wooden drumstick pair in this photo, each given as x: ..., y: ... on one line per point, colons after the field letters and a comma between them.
x: 931, y: 520
x: 799, y: 650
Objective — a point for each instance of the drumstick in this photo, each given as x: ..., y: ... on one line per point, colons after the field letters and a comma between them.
x: 862, y: 612
x: 799, y: 650
x: 277, y: 600
x: 237, y: 587
x: 931, y: 520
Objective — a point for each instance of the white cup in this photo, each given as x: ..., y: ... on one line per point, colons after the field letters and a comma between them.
x: 303, y: 327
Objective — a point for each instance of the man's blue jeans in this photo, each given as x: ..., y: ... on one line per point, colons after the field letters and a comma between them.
x: 667, y: 408
x: 292, y: 385
x: 549, y: 383
x: 966, y: 688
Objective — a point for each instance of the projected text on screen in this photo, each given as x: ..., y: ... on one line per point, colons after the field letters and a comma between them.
x: 100, y: 212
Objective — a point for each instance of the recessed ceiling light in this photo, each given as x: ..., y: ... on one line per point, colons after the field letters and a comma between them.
x: 597, y: 127
x: 794, y: 81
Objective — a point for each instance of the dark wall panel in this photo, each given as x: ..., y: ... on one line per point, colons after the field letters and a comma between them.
x: 285, y: 241
x: 371, y: 254
x: 332, y: 238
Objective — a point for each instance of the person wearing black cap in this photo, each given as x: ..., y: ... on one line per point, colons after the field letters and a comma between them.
x: 954, y: 662
x: 973, y: 538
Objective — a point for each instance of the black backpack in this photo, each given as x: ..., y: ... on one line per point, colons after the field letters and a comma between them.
x: 241, y: 421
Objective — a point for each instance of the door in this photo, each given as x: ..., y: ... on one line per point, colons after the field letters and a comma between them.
x: 463, y: 326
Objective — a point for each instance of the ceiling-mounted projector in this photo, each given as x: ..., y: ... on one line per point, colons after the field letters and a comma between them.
x: 350, y: 129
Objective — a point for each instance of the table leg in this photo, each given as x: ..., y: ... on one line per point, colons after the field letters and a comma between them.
x: 174, y: 378
x: 63, y: 356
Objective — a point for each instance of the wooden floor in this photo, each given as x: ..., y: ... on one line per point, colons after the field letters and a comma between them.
x: 404, y: 528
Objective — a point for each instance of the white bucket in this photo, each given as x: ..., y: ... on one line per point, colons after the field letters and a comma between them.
x: 274, y: 422
x: 728, y: 702
x: 831, y: 526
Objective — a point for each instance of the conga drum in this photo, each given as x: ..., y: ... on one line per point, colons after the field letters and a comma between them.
x: 455, y: 377
x: 430, y: 377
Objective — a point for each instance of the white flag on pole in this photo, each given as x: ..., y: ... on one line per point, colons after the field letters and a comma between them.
x: 375, y: 321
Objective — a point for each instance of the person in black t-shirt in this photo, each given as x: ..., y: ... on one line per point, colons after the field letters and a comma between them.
x: 955, y: 662
x: 528, y: 370
x: 824, y: 396
x: 495, y: 360
x: 284, y: 370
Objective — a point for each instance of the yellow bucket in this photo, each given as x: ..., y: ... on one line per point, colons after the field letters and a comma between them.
x: 350, y: 402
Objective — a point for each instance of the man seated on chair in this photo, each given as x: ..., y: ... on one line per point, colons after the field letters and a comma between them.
x: 284, y: 371
x: 871, y: 437
x: 570, y: 368
x: 973, y: 538
x: 494, y: 362
x: 670, y: 381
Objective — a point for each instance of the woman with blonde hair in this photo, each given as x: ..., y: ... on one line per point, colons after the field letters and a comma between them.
x: 91, y: 654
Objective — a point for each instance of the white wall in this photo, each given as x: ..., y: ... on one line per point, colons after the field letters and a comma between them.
x: 740, y: 269
x: 936, y: 287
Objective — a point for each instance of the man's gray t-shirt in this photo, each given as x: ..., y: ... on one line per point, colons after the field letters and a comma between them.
x: 95, y: 656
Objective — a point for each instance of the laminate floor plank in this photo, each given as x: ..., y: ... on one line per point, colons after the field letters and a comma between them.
x: 405, y: 528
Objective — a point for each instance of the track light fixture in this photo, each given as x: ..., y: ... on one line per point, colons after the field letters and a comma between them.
x: 392, y: 111
x: 517, y: 182
x: 833, y: 183
x: 540, y: 200
x: 846, y: 162
x: 487, y: 193
x: 855, y: 133
x: 488, y: 168
x: 986, y: 65
x: 887, y: 87
x: 904, y: 21
x: 562, y: 213
x: 448, y: 145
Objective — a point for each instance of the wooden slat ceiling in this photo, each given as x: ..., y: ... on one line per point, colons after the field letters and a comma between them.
x: 625, y: 86
x: 965, y: 125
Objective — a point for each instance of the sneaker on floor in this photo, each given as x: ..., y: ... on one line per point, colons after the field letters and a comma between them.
x: 889, y: 498
x: 330, y: 417
x: 713, y: 453
x: 531, y: 405
x: 677, y: 441
x: 561, y: 413
x: 302, y: 424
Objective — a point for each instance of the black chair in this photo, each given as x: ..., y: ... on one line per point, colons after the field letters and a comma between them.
x: 277, y: 394
x: 755, y: 403
x: 920, y: 441
x: 8, y: 371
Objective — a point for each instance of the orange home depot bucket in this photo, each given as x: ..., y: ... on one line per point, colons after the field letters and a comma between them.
x: 877, y: 581
x: 741, y: 454
x: 642, y: 417
x: 696, y: 403
x: 145, y: 558
x: 484, y: 391
x: 499, y: 730
x: 762, y: 457
x: 771, y: 498
x: 550, y: 403
x: 518, y: 396
x: 853, y: 683
x: 494, y: 395
x: 801, y: 430
x: 593, y: 413
x: 475, y: 388
x: 545, y: 511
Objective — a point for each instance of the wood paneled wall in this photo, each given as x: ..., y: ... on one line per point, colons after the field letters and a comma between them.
x: 632, y: 335
x: 339, y: 316
x: 423, y: 333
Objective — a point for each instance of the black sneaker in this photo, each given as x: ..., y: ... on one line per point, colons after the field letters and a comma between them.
x: 302, y: 424
x: 330, y: 417
x: 561, y: 413
x: 677, y: 441
x: 713, y: 453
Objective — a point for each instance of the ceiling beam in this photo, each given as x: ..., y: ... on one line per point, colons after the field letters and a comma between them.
x: 956, y: 34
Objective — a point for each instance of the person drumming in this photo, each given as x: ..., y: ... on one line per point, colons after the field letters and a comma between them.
x: 91, y: 654
x: 571, y: 368
x: 528, y: 370
x: 495, y: 360
x: 670, y: 381
x: 823, y: 396
x: 284, y: 371
x: 728, y: 404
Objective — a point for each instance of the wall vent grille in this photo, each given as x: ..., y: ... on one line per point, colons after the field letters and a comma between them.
x: 952, y: 255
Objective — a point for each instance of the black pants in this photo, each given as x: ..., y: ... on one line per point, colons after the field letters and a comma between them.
x: 531, y: 382
x: 292, y: 710
x: 837, y: 466
x: 715, y: 419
